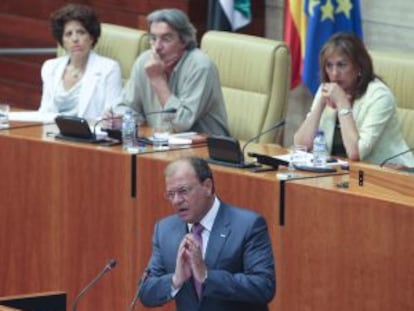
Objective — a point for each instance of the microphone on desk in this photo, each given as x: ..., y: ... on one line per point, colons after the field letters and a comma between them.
x: 111, y: 264
x: 275, y: 126
x: 226, y: 150
x: 395, y: 156
x: 141, y: 281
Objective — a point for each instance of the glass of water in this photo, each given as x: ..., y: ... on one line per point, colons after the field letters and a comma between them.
x: 297, y: 156
x: 161, y: 131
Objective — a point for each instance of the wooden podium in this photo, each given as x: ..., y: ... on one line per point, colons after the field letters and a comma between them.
x: 49, y: 301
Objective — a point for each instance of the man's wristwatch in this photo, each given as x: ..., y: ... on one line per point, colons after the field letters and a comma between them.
x: 344, y: 112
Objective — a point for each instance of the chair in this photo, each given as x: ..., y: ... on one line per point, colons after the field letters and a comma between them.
x: 120, y: 43
x: 255, y: 78
x: 397, y: 71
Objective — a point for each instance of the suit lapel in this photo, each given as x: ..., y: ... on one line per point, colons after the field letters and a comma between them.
x: 218, y: 236
x: 91, y: 77
x: 58, y: 72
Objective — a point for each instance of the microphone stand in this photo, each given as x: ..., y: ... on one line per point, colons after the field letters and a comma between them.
x: 273, y: 127
x: 395, y: 156
x: 108, y: 267
x: 263, y: 159
x: 141, y: 281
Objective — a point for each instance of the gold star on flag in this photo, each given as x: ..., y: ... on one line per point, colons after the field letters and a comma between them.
x: 327, y: 11
x: 344, y: 6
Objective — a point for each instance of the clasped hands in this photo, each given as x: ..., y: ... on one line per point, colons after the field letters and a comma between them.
x: 334, y: 96
x: 189, y: 262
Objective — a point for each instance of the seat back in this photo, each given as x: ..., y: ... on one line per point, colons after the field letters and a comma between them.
x: 397, y: 71
x: 120, y: 43
x: 255, y: 76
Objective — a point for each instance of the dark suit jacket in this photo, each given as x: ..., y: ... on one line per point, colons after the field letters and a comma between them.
x: 239, y: 259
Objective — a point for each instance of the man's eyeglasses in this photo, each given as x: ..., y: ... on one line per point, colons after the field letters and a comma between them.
x: 183, y: 191
x: 166, y: 38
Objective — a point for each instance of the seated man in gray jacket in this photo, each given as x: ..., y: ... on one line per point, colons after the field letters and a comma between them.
x: 175, y: 74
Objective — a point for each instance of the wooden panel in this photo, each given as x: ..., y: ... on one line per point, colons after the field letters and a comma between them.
x: 65, y: 209
x: 40, y: 10
x: 20, y: 95
x: 21, y: 71
x: 16, y: 33
x: 131, y: 6
x: 343, y: 250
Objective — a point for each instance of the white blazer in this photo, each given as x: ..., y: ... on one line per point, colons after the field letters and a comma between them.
x: 100, y: 90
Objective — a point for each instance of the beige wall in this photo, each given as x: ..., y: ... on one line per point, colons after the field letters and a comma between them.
x: 387, y: 26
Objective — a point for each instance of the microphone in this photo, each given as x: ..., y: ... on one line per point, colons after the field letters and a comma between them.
x: 141, y: 281
x: 111, y: 264
x: 395, y: 156
x: 273, y: 127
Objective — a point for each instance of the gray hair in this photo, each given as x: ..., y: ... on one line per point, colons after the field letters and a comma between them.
x: 177, y: 20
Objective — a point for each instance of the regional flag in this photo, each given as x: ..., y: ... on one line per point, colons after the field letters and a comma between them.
x: 324, y: 18
x: 228, y: 15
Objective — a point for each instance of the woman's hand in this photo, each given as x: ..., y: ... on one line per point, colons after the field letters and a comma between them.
x: 334, y: 96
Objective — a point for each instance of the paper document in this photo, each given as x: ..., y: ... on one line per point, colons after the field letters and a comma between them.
x: 307, y: 159
x: 32, y: 116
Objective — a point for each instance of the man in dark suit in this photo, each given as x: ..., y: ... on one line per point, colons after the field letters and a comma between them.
x: 228, y: 266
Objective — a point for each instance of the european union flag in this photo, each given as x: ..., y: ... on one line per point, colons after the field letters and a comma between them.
x: 326, y: 17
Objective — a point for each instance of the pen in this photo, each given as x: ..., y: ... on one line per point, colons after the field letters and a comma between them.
x: 112, y: 117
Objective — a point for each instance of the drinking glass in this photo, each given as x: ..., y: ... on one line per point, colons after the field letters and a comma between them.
x: 161, y: 131
x: 298, y: 156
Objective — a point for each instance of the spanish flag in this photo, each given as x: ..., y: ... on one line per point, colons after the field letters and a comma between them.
x: 313, y: 23
x: 228, y: 15
x: 294, y: 36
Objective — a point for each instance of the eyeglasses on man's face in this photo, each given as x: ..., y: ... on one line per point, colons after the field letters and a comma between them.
x: 182, y: 192
x: 164, y: 38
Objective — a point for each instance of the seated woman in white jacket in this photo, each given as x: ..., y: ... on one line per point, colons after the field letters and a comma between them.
x: 81, y: 83
x: 355, y: 109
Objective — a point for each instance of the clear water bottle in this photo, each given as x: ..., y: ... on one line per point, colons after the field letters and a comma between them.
x: 320, y: 151
x: 129, y: 132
